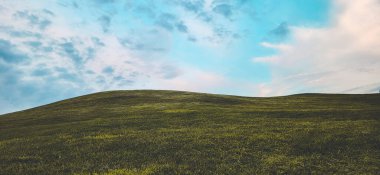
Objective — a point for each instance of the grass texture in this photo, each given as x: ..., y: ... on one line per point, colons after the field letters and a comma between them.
x: 172, y: 132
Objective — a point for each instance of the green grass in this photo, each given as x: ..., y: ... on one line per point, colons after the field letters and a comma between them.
x: 170, y: 132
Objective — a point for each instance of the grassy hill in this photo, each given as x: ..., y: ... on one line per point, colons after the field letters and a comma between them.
x: 171, y: 132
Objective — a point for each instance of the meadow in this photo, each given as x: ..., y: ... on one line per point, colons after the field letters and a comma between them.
x: 173, y: 132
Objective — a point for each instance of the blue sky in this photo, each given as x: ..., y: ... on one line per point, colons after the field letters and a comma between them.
x: 53, y: 50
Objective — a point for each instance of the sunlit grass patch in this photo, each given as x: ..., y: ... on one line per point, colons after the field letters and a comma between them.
x: 178, y: 111
x: 102, y: 136
x: 26, y: 158
x: 148, y: 170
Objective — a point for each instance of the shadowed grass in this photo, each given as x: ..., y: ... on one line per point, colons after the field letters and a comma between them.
x: 171, y: 132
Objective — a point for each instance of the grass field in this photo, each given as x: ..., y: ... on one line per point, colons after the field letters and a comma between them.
x: 171, y: 132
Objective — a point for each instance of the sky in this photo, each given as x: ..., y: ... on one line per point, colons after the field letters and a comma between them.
x: 58, y: 49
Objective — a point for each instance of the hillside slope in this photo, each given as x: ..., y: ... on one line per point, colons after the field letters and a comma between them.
x: 171, y: 132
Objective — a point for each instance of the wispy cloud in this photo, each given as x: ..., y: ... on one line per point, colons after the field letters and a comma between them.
x: 48, y: 55
x: 53, y: 50
x: 339, y: 58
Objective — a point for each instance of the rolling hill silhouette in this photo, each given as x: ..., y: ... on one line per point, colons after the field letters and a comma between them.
x: 173, y: 132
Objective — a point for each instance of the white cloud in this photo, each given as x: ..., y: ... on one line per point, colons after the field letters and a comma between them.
x: 72, y: 58
x: 192, y: 79
x: 343, y: 57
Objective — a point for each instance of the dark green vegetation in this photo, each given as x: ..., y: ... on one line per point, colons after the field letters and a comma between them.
x: 168, y: 132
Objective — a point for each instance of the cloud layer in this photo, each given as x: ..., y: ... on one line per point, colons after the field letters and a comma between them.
x: 55, y: 50
x: 59, y: 49
x: 343, y: 57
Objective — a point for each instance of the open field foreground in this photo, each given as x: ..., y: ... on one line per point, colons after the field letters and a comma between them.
x: 171, y: 132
